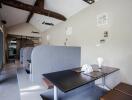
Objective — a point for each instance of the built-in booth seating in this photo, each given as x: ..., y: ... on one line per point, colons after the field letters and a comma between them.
x: 25, y: 57
x: 122, y: 91
x: 48, y: 59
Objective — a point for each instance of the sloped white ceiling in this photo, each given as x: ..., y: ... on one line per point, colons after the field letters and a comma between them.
x: 23, y: 29
x: 37, y: 21
x: 14, y: 16
x: 67, y: 8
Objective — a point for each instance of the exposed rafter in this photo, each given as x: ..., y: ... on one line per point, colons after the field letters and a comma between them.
x: 38, y: 3
x: 29, y: 17
x: 34, y: 9
x: 0, y: 4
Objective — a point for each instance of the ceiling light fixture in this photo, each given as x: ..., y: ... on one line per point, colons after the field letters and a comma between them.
x: 89, y: 1
x: 48, y: 23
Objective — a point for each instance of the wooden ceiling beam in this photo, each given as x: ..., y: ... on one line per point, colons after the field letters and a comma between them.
x: 0, y: 4
x: 34, y: 9
x: 38, y: 3
x: 29, y: 17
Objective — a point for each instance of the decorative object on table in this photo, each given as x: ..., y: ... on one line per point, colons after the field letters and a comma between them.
x: 100, y: 61
x: 86, y: 68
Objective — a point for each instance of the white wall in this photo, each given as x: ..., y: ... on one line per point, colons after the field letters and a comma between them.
x: 23, y: 29
x: 117, y: 51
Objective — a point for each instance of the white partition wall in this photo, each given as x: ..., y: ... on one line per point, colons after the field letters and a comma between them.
x: 26, y: 55
x: 46, y: 59
x: 21, y: 55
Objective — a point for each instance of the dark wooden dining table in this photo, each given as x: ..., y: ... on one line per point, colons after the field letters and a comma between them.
x: 68, y: 80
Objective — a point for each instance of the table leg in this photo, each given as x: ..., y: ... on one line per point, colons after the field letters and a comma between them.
x: 104, y: 85
x: 55, y: 93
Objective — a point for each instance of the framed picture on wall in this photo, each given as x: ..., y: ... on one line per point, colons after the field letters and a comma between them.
x: 102, y: 19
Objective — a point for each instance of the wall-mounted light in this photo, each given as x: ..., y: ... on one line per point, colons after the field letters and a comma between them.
x: 48, y: 39
x: 68, y: 34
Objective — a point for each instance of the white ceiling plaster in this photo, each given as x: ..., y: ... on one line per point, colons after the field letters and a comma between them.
x: 67, y: 8
x: 38, y: 19
x: 12, y: 15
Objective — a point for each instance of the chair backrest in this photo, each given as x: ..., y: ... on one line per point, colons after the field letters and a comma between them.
x: 47, y: 59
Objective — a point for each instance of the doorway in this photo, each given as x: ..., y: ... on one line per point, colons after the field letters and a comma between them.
x: 12, y: 45
x: 16, y: 42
